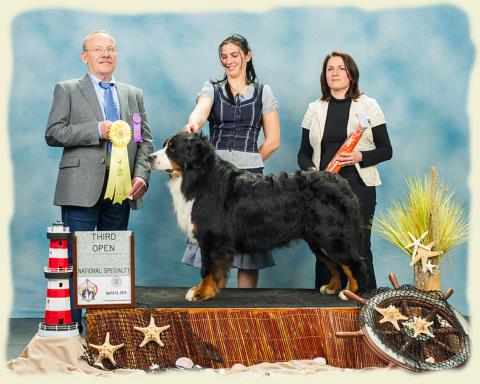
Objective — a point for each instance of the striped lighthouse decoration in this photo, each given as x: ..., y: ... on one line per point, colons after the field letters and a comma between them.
x: 58, y: 315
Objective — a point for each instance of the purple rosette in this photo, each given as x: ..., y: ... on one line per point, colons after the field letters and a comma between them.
x: 137, y: 128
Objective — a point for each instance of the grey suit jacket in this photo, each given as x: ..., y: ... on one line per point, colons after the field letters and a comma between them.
x: 73, y: 125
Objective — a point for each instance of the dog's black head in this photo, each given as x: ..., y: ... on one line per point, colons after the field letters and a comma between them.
x: 183, y: 151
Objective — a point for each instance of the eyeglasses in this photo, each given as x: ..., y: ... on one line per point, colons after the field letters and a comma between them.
x: 101, y: 50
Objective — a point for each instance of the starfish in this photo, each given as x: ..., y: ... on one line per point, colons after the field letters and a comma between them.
x: 152, y: 332
x: 419, y: 325
x: 106, y: 351
x: 430, y: 267
x: 392, y: 315
x: 417, y: 243
x: 424, y: 255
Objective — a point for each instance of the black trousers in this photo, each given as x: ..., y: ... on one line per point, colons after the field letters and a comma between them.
x: 103, y: 216
x: 368, y: 199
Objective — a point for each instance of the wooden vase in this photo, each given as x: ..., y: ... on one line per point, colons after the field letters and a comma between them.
x: 426, y: 281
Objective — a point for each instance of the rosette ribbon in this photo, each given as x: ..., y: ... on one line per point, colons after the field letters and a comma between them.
x: 119, y: 180
x: 137, y: 128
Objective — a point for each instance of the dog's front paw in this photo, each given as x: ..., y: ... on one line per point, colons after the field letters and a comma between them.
x: 190, y: 296
x: 327, y: 290
x: 199, y: 294
x: 206, y: 290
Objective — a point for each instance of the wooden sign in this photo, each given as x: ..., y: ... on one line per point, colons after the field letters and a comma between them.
x: 103, y: 269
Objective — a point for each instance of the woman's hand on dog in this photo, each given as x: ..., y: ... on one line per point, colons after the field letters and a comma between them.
x: 191, y: 127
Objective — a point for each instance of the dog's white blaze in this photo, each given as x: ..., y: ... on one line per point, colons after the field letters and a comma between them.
x: 182, y: 207
x: 161, y: 162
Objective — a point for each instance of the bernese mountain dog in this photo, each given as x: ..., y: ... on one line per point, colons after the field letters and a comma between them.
x: 227, y: 210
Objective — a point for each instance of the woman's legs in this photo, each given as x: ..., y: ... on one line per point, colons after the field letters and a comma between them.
x: 367, y: 197
x: 247, y: 278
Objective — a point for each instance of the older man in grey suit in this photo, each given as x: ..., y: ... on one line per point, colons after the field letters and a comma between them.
x: 80, y: 119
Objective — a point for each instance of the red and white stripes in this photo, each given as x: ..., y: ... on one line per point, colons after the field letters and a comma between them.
x: 57, y: 308
x: 58, y: 255
x: 58, y: 314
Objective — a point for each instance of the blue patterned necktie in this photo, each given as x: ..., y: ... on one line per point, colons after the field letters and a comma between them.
x: 111, y: 110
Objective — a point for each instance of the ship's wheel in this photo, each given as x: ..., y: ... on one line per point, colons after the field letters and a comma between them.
x: 416, y: 330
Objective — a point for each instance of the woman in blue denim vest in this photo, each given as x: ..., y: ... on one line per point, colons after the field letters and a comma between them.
x: 237, y: 108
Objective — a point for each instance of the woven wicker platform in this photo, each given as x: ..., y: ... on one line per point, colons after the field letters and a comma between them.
x: 221, y: 337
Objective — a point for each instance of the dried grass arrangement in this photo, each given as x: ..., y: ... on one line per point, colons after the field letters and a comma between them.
x: 427, y: 205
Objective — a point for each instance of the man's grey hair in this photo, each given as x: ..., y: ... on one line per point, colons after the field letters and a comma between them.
x: 95, y: 32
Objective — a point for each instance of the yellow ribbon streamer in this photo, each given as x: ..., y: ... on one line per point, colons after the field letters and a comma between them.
x: 119, y: 180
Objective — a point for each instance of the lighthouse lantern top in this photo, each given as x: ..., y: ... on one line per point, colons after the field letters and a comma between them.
x: 57, y: 227
x: 57, y: 231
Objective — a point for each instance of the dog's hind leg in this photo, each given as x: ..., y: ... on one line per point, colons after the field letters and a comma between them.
x: 352, y: 285
x: 357, y: 274
x: 352, y: 281
x: 355, y: 270
x: 335, y: 284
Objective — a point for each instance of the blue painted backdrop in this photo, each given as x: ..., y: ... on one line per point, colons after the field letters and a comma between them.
x: 415, y: 67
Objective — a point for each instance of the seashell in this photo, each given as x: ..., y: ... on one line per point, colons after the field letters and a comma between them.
x: 184, y: 362
x: 320, y: 360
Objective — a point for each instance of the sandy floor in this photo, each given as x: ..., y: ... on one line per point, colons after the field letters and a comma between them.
x: 63, y: 355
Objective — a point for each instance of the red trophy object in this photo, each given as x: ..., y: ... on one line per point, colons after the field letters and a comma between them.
x: 349, y: 144
x: 58, y: 315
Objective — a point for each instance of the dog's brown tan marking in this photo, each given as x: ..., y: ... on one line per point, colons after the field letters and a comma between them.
x: 335, y: 284
x: 352, y: 281
x: 175, y: 167
x: 209, y: 286
x: 206, y: 290
x: 168, y: 142
x: 160, y: 161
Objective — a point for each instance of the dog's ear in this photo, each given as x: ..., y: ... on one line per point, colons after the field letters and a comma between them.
x: 202, y: 153
x: 167, y: 140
